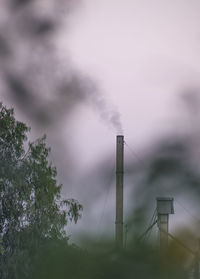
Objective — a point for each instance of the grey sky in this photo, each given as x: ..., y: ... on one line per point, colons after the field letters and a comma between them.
x: 142, y: 55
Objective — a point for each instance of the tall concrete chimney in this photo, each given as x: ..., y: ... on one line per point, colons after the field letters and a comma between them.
x: 119, y: 191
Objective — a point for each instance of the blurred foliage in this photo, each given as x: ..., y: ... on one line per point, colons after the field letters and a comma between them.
x: 169, y: 169
x: 31, y: 206
x: 57, y: 260
x: 35, y: 76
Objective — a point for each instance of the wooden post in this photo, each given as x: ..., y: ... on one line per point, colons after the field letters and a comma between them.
x: 196, y: 266
x: 119, y: 192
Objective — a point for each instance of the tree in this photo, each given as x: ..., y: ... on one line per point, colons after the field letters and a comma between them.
x: 31, y: 206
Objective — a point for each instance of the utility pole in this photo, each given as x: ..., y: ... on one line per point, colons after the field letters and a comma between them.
x: 119, y: 192
x: 164, y: 208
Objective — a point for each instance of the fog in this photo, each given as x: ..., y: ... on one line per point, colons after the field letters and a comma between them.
x: 83, y: 72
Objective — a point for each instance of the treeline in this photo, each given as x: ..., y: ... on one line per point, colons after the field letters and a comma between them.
x: 32, y: 211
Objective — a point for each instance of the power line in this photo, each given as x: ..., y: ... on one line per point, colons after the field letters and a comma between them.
x: 135, y: 155
x: 153, y: 221
x: 147, y: 232
x: 180, y: 242
x: 108, y: 184
x: 187, y: 211
x: 183, y: 207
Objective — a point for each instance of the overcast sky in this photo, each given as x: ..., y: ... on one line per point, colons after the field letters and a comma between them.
x: 142, y: 54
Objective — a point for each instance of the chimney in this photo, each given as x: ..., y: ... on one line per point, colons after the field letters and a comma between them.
x: 119, y: 191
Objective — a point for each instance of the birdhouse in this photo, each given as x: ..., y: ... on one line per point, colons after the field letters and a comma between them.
x: 165, y: 205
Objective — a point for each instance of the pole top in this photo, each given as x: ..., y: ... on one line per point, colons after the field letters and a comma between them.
x: 165, y: 205
x: 164, y: 199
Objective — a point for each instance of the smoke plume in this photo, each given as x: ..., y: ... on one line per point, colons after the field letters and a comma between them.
x: 42, y: 83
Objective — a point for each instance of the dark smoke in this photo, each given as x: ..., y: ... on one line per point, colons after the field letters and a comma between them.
x: 43, y: 84
x: 107, y: 112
